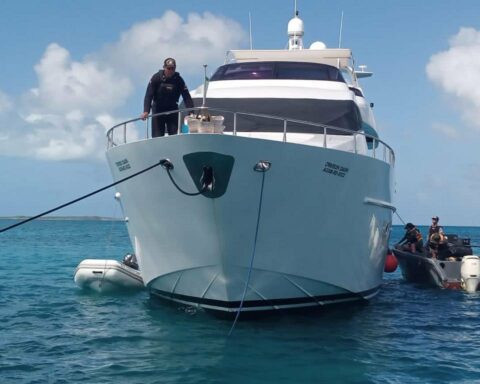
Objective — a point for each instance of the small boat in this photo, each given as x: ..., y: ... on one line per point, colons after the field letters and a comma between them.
x: 455, y: 268
x: 108, y: 275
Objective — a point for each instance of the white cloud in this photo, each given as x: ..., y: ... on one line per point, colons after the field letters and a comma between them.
x: 201, y: 39
x: 457, y: 72
x: 5, y: 102
x: 66, y: 115
x: 65, y: 85
x: 62, y: 144
x: 51, y: 137
x: 446, y: 130
x: 61, y: 118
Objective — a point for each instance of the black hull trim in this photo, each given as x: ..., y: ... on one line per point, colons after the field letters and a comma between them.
x: 265, y: 304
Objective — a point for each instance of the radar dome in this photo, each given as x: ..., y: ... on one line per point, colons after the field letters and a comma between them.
x: 295, y: 27
x: 295, y: 33
x: 318, y: 45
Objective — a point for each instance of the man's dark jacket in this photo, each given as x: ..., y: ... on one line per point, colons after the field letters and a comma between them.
x: 165, y: 92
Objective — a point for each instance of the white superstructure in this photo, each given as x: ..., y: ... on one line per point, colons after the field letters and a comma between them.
x: 309, y: 230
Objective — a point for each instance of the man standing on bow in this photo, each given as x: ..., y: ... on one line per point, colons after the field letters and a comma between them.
x: 164, y: 90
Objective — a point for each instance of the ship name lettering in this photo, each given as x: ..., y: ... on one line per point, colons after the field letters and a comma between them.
x: 335, y: 169
x: 122, y: 165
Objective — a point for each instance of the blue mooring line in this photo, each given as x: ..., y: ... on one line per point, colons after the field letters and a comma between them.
x: 252, y: 258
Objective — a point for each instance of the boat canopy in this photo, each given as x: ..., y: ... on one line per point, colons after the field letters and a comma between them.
x: 337, y: 57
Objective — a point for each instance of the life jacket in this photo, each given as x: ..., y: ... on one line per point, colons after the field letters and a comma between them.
x: 414, y: 235
x: 432, y: 230
x: 418, y: 234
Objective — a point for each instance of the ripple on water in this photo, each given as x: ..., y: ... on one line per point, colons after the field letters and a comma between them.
x: 50, y: 331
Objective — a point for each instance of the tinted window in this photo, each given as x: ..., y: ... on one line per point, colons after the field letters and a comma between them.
x: 277, y: 70
x: 308, y: 71
x: 244, y: 71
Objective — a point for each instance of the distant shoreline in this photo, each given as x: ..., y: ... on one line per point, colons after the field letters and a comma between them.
x: 103, y: 218
x: 64, y: 218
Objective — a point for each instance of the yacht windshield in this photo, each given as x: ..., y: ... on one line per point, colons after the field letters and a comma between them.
x: 277, y: 70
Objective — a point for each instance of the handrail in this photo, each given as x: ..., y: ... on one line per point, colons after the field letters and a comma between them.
x: 201, y: 110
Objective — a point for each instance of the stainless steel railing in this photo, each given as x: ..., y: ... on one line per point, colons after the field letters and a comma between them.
x: 119, y: 134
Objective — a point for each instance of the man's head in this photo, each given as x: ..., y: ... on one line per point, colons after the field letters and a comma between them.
x: 169, y: 66
x: 409, y: 226
x: 435, y: 220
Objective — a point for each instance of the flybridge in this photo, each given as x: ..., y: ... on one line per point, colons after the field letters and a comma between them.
x: 340, y: 58
x: 337, y: 57
x: 318, y: 53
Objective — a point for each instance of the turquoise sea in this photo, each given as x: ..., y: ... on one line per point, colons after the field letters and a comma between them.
x: 52, y: 332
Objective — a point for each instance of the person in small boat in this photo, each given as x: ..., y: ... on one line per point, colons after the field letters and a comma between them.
x: 162, y: 95
x: 412, y: 241
x: 438, y: 246
x: 435, y: 228
x: 437, y: 241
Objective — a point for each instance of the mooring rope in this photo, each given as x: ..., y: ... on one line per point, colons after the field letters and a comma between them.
x: 400, y: 217
x: 261, y: 167
x: 207, y: 177
x: 80, y: 198
x: 204, y: 189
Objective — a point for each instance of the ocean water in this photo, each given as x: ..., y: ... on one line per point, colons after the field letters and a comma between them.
x: 53, y: 332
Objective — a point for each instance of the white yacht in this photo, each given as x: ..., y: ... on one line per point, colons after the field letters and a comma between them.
x: 287, y: 205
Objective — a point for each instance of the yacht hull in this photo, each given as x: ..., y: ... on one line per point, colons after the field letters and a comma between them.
x: 320, y: 239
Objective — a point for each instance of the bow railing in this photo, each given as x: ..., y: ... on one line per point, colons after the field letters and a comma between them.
x: 139, y: 129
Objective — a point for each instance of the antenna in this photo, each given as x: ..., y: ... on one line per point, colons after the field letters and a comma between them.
x: 296, y: 11
x: 340, y: 33
x: 250, y: 22
x: 205, y: 85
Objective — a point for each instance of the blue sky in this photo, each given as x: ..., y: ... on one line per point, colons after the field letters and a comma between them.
x: 425, y: 56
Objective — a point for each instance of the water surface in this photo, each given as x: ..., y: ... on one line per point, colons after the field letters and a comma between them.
x: 53, y: 332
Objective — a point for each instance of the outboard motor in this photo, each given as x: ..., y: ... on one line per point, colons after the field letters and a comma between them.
x: 470, y: 272
x: 130, y: 260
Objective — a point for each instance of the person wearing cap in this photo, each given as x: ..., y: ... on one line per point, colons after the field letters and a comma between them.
x: 162, y: 95
x: 436, y: 238
x: 435, y: 228
x: 412, y: 241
